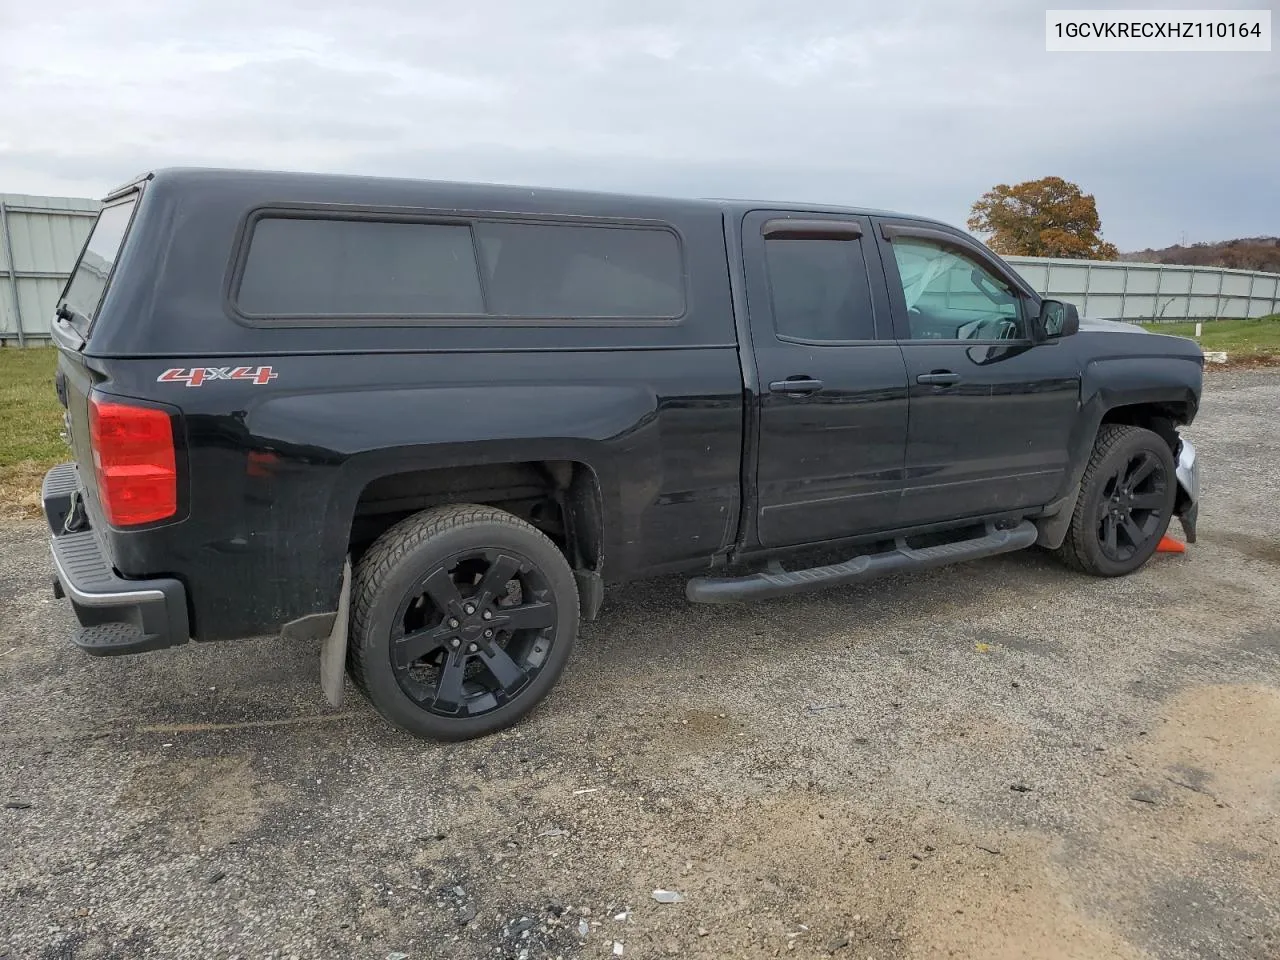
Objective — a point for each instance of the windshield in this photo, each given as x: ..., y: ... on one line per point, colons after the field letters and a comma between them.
x: 85, y: 290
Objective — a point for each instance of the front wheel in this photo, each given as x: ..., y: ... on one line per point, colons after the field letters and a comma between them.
x: 462, y: 619
x: 1125, y: 504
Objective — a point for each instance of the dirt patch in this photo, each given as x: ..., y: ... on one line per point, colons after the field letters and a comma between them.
x: 1218, y: 746
x: 1247, y: 361
x: 981, y: 728
x: 1199, y: 796
x: 1197, y: 799
x: 888, y: 887
x: 705, y: 724
x: 1266, y: 549
x: 813, y: 872
x: 790, y: 873
x: 199, y: 802
x: 20, y: 489
x: 1010, y: 906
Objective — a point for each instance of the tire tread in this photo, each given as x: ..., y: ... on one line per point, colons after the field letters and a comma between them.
x: 1072, y: 552
x: 392, y: 546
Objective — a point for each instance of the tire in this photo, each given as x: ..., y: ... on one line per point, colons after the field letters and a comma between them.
x: 1125, y: 504
x: 446, y: 575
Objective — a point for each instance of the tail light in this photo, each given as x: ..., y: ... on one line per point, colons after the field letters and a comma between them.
x: 133, y: 457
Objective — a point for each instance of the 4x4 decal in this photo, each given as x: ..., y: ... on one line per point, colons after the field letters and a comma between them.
x: 198, y: 375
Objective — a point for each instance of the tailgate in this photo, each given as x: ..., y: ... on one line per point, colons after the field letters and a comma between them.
x: 73, y: 382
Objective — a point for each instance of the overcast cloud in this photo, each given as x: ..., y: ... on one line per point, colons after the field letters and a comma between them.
x: 905, y: 105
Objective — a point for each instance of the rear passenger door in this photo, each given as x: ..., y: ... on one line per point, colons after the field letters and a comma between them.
x: 832, y: 382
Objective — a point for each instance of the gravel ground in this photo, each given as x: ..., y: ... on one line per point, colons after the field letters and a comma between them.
x: 1001, y: 759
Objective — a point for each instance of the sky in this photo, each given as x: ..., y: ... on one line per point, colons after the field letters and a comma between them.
x: 904, y: 105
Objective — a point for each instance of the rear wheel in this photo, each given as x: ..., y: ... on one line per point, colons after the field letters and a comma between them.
x: 462, y: 620
x: 1125, y: 505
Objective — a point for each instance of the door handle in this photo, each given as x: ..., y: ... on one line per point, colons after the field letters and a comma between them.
x: 939, y: 378
x: 796, y: 385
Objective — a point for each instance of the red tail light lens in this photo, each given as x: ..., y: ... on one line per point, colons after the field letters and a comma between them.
x: 133, y: 457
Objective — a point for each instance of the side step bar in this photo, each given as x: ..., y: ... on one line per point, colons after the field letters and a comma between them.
x: 780, y: 582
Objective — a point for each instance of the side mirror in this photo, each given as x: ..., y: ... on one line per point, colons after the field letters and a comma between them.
x: 1058, y: 319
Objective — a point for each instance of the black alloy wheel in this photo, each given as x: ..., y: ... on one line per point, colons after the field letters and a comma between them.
x: 462, y: 619
x: 1124, y: 504
x: 1133, y: 505
x: 473, y: 633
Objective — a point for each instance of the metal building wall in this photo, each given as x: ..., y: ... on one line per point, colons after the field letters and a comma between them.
x: 40, y: 238
x: 1151, y: 291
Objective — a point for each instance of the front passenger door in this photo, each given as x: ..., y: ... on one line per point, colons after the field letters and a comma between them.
x: 993, y: 401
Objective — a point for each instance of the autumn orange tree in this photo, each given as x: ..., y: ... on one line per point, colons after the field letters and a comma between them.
x: 1050, y: 217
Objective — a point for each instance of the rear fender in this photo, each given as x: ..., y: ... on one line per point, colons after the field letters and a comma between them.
x: 455, y: 427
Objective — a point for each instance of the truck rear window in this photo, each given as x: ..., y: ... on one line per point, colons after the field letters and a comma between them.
x: 89, y: 281
x: 311, y: 267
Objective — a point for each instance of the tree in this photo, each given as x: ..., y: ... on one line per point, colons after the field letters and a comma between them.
x: 1050, y: 217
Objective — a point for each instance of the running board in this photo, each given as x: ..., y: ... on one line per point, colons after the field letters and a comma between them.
x: 779, y: 582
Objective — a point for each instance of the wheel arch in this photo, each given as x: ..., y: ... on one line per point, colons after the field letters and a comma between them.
x: 1162, y: 417
x: 375, y: 490
x: 561, y: 497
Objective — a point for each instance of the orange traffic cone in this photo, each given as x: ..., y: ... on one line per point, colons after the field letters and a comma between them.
x: 1170, y: 545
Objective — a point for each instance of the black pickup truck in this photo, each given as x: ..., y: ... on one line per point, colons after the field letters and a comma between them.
x: 426, y: 422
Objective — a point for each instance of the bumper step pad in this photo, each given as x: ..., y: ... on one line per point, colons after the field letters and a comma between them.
x: 59, y: 485
x: 113, y: 639
x: 116, y: 615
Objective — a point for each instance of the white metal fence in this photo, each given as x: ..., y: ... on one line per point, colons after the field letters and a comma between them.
x: 1151, y: 291
x: 40, y: 238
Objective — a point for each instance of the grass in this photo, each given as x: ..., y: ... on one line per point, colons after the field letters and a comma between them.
x: 1243, y: 340
x: 30, y: 427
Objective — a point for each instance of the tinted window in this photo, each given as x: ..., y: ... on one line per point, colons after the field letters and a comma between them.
x: 318, y: 268
x: 103, y: 247
x: 950, y: 296
x: 554, y: 270
x: 820, y: 289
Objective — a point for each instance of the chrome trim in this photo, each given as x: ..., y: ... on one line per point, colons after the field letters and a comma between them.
x: 113, y: 599
x: 1188, y: 470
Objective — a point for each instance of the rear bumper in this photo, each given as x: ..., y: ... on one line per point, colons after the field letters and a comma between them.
x: 1188, y: 501
x: 116, y: 615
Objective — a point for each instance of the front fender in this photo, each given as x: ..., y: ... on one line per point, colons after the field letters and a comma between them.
x: 1167, y: 386
x: 1163, y: 386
